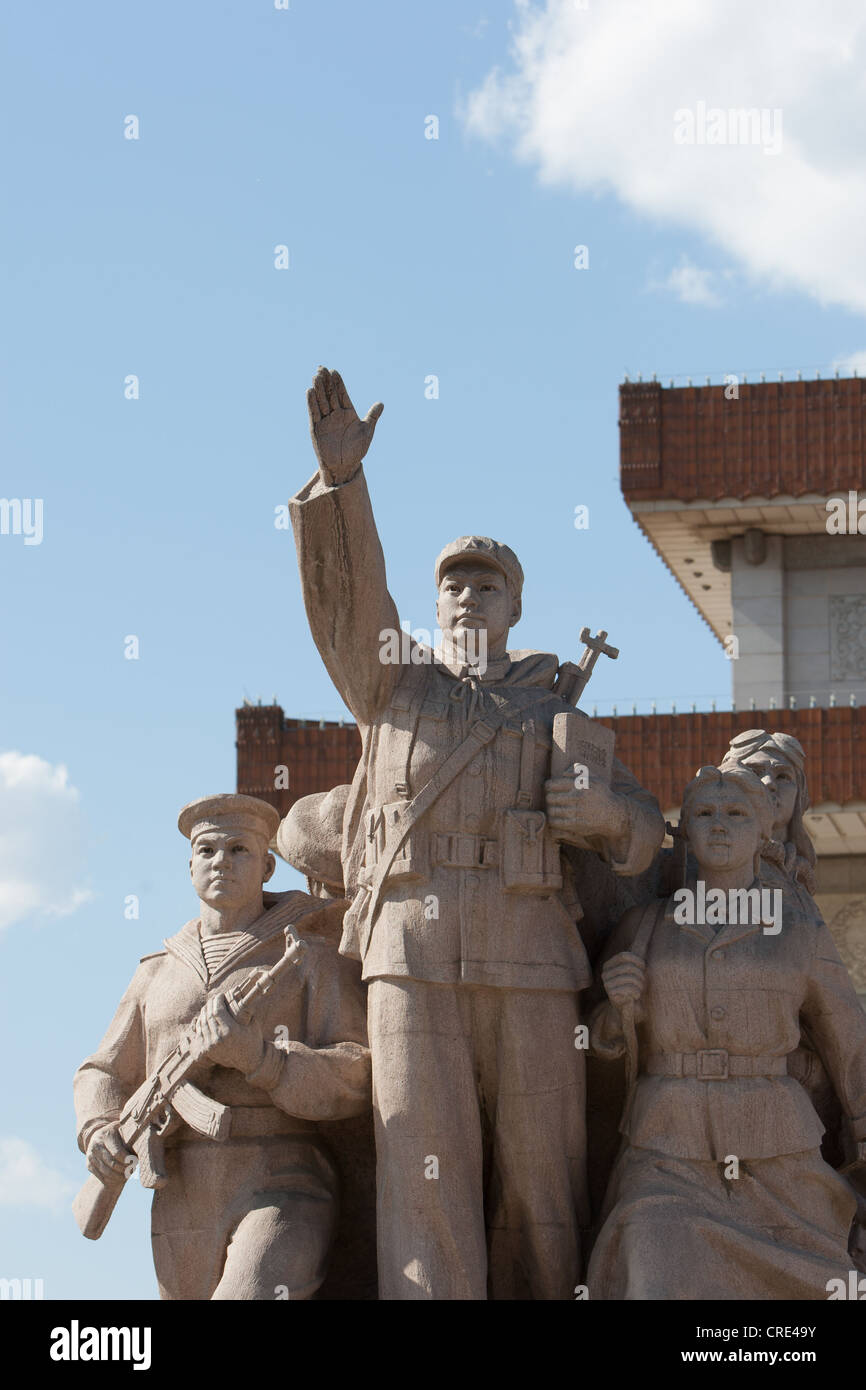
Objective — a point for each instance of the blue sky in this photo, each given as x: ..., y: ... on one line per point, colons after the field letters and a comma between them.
x: 408, y: 257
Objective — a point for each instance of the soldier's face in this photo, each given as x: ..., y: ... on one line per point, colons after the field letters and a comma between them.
x: 723, y: 829
x: 472, y: 599
x: 780, y: 780
x: 228, y: 870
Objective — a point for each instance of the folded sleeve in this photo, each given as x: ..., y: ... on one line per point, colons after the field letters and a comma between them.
x: 327, y: 1075
x: 105, y: 1081
x: 646, y: 827
x: 345, y: 591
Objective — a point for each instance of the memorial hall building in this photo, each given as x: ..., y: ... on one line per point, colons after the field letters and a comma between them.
x: 748, y: 493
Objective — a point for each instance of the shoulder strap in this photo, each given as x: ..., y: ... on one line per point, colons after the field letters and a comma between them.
x: 646, y: 926
x: 408, y: 699
x: 481, y: 732
x: 527, y: 765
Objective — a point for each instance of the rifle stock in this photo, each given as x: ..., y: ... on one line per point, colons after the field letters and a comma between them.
x: 94, y: 1204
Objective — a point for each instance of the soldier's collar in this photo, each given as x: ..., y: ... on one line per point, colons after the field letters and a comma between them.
x: 525, y: 667
x: 493, y: 671
x: 722, y: 933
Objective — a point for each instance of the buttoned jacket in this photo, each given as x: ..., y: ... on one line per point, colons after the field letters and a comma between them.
x: 452, y: 920
x: 737, y: 991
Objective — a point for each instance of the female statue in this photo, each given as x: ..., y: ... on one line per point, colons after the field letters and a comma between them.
x: 720, y: 1190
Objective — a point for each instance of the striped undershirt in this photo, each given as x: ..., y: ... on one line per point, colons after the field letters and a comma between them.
x: 216, y: 948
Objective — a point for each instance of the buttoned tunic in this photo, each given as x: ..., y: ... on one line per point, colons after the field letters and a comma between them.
x: 721, y: 1191
x: 743, y: 991
x: 411, y: 718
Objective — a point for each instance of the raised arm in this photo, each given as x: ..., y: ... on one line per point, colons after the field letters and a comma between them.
x: 339, y: 553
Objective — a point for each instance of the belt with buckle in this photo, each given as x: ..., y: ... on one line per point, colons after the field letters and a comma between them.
x: 463, y: 851
x: 713, y: 1064
x: 249, y: 1122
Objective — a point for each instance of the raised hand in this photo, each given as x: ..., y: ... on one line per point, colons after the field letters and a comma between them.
x: 340, y: 438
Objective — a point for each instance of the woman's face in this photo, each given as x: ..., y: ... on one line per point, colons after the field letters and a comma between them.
x: 723, y: 830
x: 781, y: 781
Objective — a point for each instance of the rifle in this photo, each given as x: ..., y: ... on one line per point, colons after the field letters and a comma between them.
x: 639, y: 947
x: 168, y: 1091
x: 571, y: 680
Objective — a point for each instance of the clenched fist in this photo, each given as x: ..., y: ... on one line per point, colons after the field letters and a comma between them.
x: 226, y: 1042
x: 624, y: 979
x: 579, y: 814
x: 107, y: 1155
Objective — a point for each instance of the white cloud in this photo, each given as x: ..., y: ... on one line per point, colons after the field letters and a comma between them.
x: 477, y: 30
x: 27, y: 1181
x: 590, y: 102
x: 41, y: 840
x: 854, y: 362
x: 690, y: 284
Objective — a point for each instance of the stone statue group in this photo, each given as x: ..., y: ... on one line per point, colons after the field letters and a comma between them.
x: 508, y: 926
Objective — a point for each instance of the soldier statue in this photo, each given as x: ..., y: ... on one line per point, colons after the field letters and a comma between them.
x: 459, y: 910
x: 721, y: 1190
x: 246, y: 1190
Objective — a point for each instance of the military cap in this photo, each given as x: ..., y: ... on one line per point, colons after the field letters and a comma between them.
x: 481, y: 550
x: 750, y: 741
x: 228, y: 812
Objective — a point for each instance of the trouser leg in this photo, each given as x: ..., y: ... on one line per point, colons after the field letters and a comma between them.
x: 279, y: 1252
x: 248, y: 1219
x: 534, y: 1084
x: 188, y: 1229
x: 430, y: 1203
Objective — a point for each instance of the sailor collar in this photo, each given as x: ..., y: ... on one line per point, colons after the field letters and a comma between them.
x: 281, y: 910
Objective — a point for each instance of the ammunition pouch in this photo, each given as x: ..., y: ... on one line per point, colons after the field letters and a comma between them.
x: 529, y: 855
x: 410, y: 861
